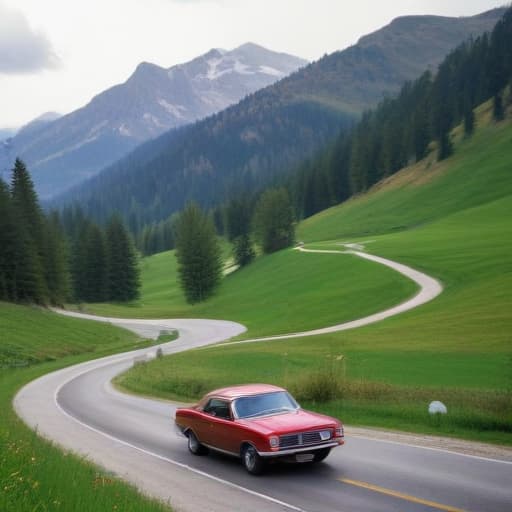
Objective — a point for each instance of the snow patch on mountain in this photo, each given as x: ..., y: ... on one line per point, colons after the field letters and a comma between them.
x: 67, y: 150
x: 150, y: 118
x: 218, y: 67
x: 97, y: 127
x: 124, y: 130
x: 271, y: 71
x: 176, y: 110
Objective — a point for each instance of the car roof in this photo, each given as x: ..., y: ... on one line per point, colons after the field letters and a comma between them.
x: 232, y: 392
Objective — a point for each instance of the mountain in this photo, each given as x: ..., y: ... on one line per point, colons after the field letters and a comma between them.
x: 6, y: 133
x: 259, y: 140
x: 378, y: 65
x: 152, y: 101
x: 37, y: 124
x: 7, y: 149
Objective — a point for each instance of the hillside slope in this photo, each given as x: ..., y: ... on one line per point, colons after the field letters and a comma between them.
x: 265, y: 135
x: 427, y: 191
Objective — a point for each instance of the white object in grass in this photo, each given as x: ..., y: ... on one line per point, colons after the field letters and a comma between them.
x: 437, y: 407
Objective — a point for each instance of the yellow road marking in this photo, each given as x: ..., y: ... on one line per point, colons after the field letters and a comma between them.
x: 400, y: 495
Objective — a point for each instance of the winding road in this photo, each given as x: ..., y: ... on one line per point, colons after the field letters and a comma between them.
x: 132, y: 436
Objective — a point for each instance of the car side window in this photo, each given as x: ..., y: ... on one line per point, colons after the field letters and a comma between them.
x: 218, y: 408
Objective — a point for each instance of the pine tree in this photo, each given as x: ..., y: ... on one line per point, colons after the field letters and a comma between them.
x: 445, y: 146
x: 238, y: 228
x: 57, y: 258
x: 123, y: 269
x: 30, y: 258
x: 238, y: 217
x: 498, y: 111
x: 90, y: 265
x: 273, y: 220
x: 198, y: 254
x: 469, y: 121
x: 7, y: 244
x: 243, y: 251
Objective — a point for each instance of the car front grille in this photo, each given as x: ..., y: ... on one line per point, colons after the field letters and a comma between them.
x: 300, y: 439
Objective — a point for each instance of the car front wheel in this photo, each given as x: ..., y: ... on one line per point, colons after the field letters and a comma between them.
x: 253, y: 463
x: 194, y: 446
x: 320, y: 455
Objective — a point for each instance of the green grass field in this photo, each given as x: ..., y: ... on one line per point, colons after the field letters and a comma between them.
x: 34, y: 474
x: 61, y: 336
x: 286, y: 292
x: 452, y: 221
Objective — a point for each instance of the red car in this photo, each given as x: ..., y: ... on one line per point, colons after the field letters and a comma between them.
x: 258, y: 423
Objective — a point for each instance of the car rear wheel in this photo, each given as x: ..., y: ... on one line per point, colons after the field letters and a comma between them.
x: 253, y: 463
x: 320, y: 455
x: 194, y: 446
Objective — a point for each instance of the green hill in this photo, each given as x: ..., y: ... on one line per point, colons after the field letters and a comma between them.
x: 285, y: 292
x: 451, y: 220
x: 479, y: 172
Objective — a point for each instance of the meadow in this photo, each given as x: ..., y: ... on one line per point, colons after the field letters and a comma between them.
x: 285, y: 292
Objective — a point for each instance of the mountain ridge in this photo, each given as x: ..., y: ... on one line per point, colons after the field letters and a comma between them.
x: 270, y: 131
x: 151, y: 101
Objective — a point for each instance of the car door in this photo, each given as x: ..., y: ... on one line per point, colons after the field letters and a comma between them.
x: 218, y: 428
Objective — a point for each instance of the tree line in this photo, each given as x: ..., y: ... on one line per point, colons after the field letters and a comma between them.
x: 241, y: 148
x: 400, y: 130
x: 52, y: 258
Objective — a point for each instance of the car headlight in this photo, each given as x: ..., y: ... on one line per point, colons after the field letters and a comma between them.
x: 325, y: 435
x: 274, y: 441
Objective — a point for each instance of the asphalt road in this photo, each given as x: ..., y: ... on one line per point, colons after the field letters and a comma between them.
x: 134, y: 437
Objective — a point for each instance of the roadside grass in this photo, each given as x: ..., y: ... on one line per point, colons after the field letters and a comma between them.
x: 285, y: 292
x: 455, y: 226
x: 20, y: 344
x: 34, y: 474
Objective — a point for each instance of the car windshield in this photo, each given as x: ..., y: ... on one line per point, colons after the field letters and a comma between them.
x: 267, y: 403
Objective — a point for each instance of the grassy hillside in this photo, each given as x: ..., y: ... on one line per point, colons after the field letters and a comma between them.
x: 59, y: 336
x: 479, y: 172
x: 285, y: 292
x: 452, y: 221
x: 35, y: 475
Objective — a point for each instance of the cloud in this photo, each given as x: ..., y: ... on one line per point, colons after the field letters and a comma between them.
x: 22, y: 49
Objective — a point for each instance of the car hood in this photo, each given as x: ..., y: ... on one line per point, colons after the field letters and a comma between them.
x: 284, y: 423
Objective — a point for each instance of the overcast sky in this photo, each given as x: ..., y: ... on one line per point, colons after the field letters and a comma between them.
x: 55, y: 55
